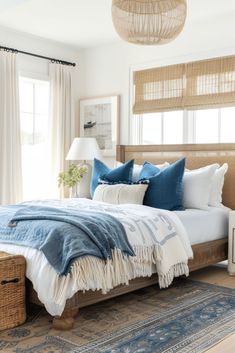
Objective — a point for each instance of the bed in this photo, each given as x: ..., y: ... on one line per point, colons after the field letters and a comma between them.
x: 205, y: 252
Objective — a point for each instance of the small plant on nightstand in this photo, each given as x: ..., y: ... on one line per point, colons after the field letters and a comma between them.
x: 70, y: 178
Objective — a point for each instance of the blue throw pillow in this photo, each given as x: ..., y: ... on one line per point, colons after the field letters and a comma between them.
x: 101, y: 171
x: 165, y: 189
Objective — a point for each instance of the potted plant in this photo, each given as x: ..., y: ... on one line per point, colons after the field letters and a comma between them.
x: 70, y: 178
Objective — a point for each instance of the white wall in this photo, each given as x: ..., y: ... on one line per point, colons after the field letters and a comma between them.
x: 106, y: 69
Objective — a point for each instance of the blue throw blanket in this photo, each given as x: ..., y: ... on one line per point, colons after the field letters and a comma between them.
x: 63, y: 234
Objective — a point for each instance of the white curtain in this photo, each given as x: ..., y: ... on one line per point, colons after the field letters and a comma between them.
x: 10, y: 142
x: 62, y: 122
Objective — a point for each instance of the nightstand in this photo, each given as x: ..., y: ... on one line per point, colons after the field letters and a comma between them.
x: 231, y: 244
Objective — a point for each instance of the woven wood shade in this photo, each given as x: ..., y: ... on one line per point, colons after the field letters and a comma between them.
x: 159, y: 89
x: 149, y: 22
x: 196, y: 85
x: 210, y: 83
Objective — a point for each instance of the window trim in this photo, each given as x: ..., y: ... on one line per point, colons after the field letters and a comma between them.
x: 35, y: 76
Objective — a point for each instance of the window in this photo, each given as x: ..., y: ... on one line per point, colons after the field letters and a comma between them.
x: 185, y: 103
x: 161, y: 128
x: 34, y: 114
x: 206, y: 126
x: 200, y: 126
x: 215, y: 125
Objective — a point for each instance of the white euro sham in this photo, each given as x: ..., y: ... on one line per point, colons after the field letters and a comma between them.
x: 215, y: 198
x: 197, y: 187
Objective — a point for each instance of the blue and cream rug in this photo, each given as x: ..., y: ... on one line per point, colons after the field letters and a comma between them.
x: 189, y: 317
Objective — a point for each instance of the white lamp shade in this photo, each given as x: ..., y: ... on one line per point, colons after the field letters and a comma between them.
x: 83, y: 148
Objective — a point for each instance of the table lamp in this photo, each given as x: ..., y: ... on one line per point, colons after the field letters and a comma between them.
x: 84, y: 149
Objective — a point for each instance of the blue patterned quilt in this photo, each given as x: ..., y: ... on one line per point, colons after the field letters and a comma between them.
x: 61, y: 234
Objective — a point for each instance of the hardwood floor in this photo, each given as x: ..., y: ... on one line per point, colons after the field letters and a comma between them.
x: 218, y: 275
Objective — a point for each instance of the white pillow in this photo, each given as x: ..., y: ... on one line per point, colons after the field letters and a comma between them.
x: 197, y: 185
x: 138, y: 167
x: 120, y: 193
x: 215, y: 198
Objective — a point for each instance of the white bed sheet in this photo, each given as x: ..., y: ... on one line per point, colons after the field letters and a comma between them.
x: 203, y: 225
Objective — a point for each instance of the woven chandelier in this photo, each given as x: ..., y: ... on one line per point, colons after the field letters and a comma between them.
x: 149, y: 22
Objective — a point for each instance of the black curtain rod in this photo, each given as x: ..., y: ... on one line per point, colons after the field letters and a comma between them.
x: 38, y: 56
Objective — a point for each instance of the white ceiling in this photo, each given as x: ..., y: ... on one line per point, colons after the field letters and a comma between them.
x: 85, y: 23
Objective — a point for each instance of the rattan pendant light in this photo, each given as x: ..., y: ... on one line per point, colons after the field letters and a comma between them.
x: 149, y: 22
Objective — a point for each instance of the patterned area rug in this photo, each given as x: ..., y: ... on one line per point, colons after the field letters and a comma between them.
x: 188, y: 317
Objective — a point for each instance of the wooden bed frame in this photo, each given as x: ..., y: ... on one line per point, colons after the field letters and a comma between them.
x: 205, y: 254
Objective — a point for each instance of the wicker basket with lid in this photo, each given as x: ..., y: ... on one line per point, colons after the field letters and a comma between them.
x: 12, y: 290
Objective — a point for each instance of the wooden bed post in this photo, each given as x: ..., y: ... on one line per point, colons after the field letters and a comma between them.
x: 66, y: 320
x: 120, y: 153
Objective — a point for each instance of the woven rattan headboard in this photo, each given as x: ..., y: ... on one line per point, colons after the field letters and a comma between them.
x: 197, y: 155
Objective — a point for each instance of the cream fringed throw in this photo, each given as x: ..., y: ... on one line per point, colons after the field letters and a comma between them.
x: 157, y: 237
x: 93, y: 273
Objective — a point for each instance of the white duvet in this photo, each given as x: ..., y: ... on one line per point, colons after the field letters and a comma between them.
x: 157, y: 236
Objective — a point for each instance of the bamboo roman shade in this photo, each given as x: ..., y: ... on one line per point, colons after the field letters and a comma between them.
x: 195, y: 85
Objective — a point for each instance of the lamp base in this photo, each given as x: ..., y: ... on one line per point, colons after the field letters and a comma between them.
x: 83, y: 186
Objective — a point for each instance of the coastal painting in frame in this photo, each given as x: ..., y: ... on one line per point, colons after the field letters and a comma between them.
x: 99, y: 118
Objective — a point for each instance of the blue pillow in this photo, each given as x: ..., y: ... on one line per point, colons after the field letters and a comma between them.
x: 165, y: 189
x: 101, y: 171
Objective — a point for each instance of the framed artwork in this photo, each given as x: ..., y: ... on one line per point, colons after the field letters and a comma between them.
x: 99, y: 118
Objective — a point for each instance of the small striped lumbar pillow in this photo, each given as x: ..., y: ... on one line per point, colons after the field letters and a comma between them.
x: 120, y: 193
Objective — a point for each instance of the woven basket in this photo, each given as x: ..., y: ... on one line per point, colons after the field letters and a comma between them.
x: 12, y: 290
